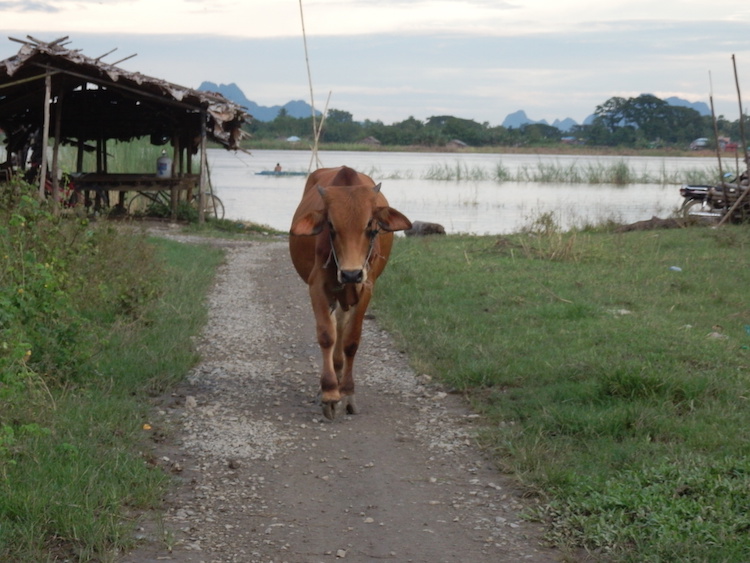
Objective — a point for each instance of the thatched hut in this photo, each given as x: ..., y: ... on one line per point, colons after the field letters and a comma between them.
x: 51, y: 92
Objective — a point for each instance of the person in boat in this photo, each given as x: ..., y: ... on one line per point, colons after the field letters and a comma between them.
x: 277, y: 168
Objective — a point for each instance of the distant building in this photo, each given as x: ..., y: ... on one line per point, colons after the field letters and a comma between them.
x: 370, y: 141
x: 698, y: 144
x: 456, y: 144
x: 726, y: 144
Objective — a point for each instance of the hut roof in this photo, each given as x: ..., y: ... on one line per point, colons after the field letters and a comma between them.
x: 99, y: 100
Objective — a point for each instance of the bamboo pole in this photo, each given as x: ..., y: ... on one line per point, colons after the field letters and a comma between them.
x: 204, y: 173
x: 744, y: 150
x: 316, y: 128
x: 314, y: 155
x: 742, y: 114
x: 716, y: 134
x: 45, y: 134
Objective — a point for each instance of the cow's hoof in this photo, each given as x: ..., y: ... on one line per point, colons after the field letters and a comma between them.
x: 348, y: 402
x: 333, y: 409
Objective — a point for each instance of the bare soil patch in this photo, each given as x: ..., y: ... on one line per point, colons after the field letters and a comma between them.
x: 262, y: 477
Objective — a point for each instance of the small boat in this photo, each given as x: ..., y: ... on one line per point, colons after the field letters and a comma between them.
x: 281, y: 173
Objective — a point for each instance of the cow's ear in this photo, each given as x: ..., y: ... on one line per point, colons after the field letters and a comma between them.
x: 309, y: 224
x: 391, y: 220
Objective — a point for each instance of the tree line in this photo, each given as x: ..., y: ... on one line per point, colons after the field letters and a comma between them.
x: 642, y: 122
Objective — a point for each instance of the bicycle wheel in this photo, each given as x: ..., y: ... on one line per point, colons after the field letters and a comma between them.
x: 154, y: 204
x: 139, y: 205
x: 213, y: 209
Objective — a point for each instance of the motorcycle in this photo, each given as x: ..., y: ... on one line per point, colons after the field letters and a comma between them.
x: 704, y: 202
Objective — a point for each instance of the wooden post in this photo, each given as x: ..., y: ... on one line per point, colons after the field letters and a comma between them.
x: 79, y: 156
x: 191, y: 195
x: 45, y: 133
x: 56, y: 155
x: 204, y: 173
x: 175, y: 189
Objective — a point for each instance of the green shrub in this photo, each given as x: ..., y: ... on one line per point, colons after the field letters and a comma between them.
x: 78, y: 302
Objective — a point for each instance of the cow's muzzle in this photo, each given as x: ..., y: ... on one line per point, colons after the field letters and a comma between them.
x: 351, y: 276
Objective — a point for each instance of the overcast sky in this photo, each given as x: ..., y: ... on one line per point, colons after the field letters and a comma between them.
x: 391, y: 59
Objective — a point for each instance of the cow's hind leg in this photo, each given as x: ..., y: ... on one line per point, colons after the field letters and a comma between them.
x: 350, y: 337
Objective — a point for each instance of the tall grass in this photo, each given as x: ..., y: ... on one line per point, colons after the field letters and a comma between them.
x: 612, y: 384
x: 457, y: 172
x: 618, y: 173
x: 93, y: 321
x: 136, y: 156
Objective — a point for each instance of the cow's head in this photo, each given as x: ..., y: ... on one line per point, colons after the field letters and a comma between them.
x: 352, y: 220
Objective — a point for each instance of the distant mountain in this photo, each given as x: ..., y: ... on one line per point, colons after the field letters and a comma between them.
x: 701, y: 107
x: 566, y: 124
x: 299, y: 108
x: 519, y: 118
x: 232, y: 92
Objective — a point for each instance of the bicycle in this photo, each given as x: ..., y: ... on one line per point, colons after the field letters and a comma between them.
x: 159, y: 204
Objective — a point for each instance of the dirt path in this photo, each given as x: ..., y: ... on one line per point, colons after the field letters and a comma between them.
x: 263, y: 478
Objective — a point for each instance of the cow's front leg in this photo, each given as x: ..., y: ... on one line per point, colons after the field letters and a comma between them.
x: 326, y: 331
x: 341, y: 318
x: 343, y: 359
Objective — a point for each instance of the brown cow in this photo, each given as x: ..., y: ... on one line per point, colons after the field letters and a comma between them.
x: 341, y: 237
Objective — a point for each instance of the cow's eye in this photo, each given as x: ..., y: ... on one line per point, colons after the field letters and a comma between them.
x: 372, y: 229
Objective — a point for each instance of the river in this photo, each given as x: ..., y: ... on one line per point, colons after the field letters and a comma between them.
x: 466, y: 206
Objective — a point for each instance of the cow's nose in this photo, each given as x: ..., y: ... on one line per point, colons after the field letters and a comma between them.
x: 350, y: 276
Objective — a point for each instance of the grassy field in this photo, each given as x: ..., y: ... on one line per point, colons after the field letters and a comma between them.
x: 611, y: 369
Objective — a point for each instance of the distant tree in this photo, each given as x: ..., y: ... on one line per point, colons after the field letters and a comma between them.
x: 650, y: 115
x: 540, y: 133
x: 642, y: 120
x: 465, y: 130
x: 339, y: 127
x: 631, y: 122
x: 611, y: 113
x: 403, y: 133
x: 682, y: 125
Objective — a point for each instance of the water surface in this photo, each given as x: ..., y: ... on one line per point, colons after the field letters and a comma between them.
x: 477, y: 207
